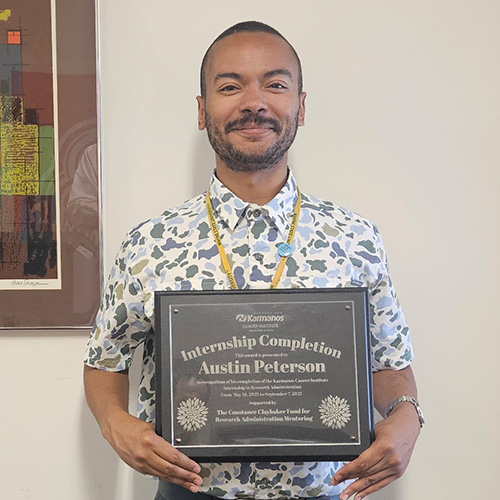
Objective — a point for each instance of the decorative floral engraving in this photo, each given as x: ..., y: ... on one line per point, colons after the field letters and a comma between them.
x: 335, y: 412
x: 192, y: 414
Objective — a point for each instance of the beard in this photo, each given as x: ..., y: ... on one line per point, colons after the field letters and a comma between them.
x: 241, y: 161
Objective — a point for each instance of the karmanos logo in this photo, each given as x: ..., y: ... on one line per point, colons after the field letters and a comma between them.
x: 259, y: 318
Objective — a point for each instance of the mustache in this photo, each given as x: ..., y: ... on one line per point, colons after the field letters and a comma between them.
x: 253, y: 119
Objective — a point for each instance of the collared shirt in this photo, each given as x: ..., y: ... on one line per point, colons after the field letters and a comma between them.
x: 333, y: 247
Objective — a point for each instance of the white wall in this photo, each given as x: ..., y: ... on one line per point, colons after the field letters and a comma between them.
x: 403, y: 116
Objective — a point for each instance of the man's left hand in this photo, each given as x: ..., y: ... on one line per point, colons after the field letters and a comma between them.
x: 386, y: 459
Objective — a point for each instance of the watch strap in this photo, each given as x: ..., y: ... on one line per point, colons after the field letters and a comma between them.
x: 407, y: 399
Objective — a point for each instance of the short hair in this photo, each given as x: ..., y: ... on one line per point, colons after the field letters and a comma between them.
x: 246, y: 27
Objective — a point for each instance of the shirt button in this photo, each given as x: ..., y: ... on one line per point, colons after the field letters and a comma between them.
x: 258, y: 256
x: 249, y: 214
x: 257, y: 213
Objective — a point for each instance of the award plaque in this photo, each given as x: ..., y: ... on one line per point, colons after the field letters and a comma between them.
x: 275, y: 375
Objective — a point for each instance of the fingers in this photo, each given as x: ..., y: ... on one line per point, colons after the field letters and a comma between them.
x: 173, y: 474
x: 367, y: 463
x: 366, y: 486
x: 170, y: 454
x: 373, y: 469
x: 178, y: 468
x: 145, y: 451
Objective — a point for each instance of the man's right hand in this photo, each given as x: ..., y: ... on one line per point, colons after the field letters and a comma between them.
x: 135, y: 441
x: 138, y: 445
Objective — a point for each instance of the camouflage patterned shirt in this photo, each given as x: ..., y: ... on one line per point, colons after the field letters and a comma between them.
x: 333, y: 247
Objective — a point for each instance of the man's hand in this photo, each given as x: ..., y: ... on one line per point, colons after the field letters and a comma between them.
x: 388, y: 457
x: 138, y: 445
x: 135, y: 441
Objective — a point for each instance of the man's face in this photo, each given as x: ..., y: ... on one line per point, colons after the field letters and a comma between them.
x: 252, y: 106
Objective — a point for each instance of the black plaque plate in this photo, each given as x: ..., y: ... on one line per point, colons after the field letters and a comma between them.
x: 278, y: 375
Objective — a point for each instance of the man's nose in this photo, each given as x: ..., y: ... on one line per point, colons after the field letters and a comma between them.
x: 253, y: 100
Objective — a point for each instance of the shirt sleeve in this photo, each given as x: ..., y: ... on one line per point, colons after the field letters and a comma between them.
x: 390, y: 335
x: 121, y: 324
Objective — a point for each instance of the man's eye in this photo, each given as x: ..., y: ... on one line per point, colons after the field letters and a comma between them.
x: 228, y: 88
x: 279, y: 86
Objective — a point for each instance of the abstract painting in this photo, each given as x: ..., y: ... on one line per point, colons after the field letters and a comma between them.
x: 28, y: 158
x: 50, y: 235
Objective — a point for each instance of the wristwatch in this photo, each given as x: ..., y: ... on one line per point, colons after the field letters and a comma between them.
x: 408, y: 399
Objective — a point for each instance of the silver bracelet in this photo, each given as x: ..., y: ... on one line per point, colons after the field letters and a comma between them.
x: 408, y: 399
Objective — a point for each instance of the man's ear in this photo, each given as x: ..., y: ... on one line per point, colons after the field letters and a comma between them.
x: 201, y: 112
x: 302, y: 109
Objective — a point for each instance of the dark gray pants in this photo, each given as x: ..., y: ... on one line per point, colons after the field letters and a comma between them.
x: 169, y: 491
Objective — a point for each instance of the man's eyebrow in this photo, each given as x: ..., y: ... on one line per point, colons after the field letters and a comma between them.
x: 220, y: 76
x: 275, y: 72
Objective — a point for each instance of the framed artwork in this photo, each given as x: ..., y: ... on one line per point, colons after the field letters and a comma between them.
x: 50, y: 224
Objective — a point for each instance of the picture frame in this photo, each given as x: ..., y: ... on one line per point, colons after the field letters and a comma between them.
x: 50, y: 174
x: 274, y: 375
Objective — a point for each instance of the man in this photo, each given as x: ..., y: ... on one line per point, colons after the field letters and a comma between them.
x: 251, y: 104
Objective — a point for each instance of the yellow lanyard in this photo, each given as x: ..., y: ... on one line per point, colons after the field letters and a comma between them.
x: 285, y: 251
